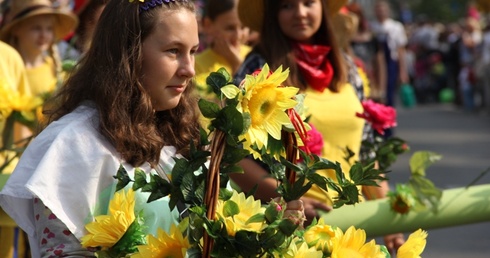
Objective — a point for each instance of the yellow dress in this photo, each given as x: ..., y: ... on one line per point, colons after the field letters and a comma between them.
x: 209, y: 61
x: 12, y: 71
x: 334, y: 116
x: 42, y: 79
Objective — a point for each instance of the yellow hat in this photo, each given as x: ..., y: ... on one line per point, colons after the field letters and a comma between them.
x: 21, y: 10
x: 251, y: 12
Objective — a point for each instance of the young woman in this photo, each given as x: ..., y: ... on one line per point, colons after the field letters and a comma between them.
x: 297, y: 34
x: 226, y: 37
x: 129, y: 102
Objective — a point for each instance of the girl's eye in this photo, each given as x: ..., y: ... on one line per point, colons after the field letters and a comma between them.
x: 286, y: 6
x: 309, y: 3
x: 173, y: 51
x: 194, y: 51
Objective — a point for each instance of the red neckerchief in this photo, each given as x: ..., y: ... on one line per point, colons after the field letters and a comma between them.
x: 314, y: 65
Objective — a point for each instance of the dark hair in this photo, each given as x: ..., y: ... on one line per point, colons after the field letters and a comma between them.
x: 355, y: 8
x: 215, y: 8
x: 86, y: 16
x: 276, y: 48
x: 109, y: 75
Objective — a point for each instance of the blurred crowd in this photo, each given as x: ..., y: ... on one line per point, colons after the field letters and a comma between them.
x: 442, y: 62
x: 449, y: 62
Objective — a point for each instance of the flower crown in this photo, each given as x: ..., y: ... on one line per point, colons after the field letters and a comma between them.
x: 145, y: 6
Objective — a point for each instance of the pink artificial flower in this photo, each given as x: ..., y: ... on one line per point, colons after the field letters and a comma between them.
x: 314, y: 142
x: 380, y: 117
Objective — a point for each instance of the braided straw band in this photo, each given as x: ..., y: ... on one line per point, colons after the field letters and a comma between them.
x: 152, y: 3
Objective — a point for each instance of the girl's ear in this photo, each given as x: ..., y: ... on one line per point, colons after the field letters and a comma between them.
x: 207, y: 25
x: 208, y: 29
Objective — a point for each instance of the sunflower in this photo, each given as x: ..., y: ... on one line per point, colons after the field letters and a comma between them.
x: 414, y: 246
x: 299, y: 249
x: 353, y: 244
x: 107, y: 230
x: 173, y: 245
x: 14, y: 101
x: 321, y: 236
x: 266, y: 101
x: 245, y: 209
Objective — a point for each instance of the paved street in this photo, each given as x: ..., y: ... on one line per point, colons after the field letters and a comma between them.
x: 463, y: 139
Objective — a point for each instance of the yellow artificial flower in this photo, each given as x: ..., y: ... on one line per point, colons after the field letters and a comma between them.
x: 5, y: 93
x: 266, y: 101
x: 321, y: 236
x: 414, y: 246
x: 353, y: 244
x: 299, y: 249
x: 172, y: 245
x: 12, y: 100
x: 106, y: 230
x: 248, y: 208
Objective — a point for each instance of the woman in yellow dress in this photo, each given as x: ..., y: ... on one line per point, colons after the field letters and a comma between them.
x: 33, y: 27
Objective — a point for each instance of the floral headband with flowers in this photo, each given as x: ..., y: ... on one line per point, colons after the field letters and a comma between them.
x: 145, y: 6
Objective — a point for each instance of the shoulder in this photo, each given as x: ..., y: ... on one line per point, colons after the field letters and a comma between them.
x: 10, y: 61
x: 9, y: 53
x: 252, y: 62
x: 73, y: 136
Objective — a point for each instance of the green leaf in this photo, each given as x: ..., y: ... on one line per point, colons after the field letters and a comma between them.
x: 420, y: 160
x: 159, y: 188
x: 230, y: 208
x: 234, y: 154
x: 122, y: 178
x: 135, y: 235
x: 290, y: 165
x: 231, y: 169
x: 217, y: 80
x: 139, y: 179
x: 208, y: 109
x: 230, y: 91
x: 256, y: 218
x: 229, y: 120
x: 179, y: 170
x: 247, y: 122
x: 287, y: 227
x: 247, y: 243
x: 224, y: 73
x: 319, y: 180
x: 425, y: 191
x: 325, y: 164
x: 356, y: 172
x: 203, y: 135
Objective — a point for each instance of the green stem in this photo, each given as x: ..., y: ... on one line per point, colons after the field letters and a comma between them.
x: 8, y: 133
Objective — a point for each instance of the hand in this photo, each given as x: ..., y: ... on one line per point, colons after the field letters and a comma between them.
x: 312, y: 206
x: 393, y: 242
x: 229, y: 51
x: 295, y: 211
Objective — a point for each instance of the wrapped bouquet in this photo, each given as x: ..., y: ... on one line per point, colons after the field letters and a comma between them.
x: 262, y: 118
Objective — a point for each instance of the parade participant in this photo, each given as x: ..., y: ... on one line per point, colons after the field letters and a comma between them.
x: 297, y: 34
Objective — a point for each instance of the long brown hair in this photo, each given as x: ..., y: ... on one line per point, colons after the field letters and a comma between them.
x: 277, y: 50
x: 109, y: 75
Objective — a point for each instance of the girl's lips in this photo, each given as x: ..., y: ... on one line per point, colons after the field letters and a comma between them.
x: 177, y: 88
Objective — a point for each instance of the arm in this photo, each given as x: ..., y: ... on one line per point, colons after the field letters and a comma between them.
x: 53, y: 237
x: 380, y: 73
x: 254, y: 174
x: 402, y: 65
